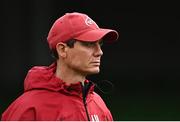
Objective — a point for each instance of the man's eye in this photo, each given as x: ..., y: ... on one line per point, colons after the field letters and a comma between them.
x: 101, y: 43
x: 89, y: 44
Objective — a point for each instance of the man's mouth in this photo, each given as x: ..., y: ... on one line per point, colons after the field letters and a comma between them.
x: 97, y: 63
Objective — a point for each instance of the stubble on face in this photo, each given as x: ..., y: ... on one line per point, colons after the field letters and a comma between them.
x: 81, y: 58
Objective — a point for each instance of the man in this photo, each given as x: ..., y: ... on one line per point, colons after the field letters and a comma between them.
x: 61, y: 91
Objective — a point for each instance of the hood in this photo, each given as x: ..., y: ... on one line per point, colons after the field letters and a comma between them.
x: 42, y: 77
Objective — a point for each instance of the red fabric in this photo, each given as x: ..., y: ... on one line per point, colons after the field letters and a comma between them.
x: 46, y: 97
x: 78, y: 26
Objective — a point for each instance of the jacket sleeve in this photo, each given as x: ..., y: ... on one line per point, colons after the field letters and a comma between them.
x: 19, y: 114
x: 103, y: 108
x: 109, y: 116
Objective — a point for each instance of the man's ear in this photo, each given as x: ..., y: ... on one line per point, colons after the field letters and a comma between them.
x: 61, y: 49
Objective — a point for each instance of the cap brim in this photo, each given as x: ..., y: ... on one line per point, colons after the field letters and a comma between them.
x: 95, y: 35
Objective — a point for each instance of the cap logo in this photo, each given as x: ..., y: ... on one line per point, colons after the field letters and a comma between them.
x: 89, y: 22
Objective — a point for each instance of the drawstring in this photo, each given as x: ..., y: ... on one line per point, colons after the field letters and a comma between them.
x: 105, y: 86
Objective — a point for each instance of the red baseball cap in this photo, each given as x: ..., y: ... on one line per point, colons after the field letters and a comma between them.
x: 78, y: 26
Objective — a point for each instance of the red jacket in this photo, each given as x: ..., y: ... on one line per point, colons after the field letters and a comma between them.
x: 46, y: 97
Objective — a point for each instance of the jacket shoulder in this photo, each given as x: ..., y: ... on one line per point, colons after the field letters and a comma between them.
x: 23, y: 108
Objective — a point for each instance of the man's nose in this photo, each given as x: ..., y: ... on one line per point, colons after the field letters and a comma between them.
x: 98, y: 51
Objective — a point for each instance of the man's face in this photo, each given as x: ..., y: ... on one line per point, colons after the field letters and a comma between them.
x: 84, y: 57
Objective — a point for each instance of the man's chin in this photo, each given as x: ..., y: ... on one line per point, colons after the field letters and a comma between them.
x: 95, y: 71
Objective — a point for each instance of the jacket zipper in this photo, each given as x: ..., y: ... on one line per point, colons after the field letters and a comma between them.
x: 84, y: 100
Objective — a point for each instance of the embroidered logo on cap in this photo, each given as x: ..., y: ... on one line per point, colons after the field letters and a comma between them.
x: 89, y: 22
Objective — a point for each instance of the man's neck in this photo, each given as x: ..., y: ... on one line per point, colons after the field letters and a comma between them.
x: 68, y: 75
